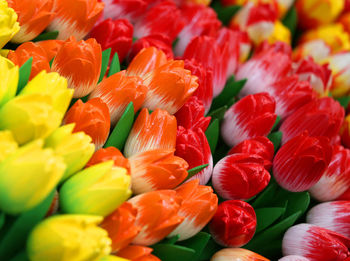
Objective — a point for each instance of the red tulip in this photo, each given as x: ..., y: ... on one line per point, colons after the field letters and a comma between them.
x: 277, y: 46
x: 300, y: 163
x: 233, y: 224
x: 345, y: 132
x: 124, y: 9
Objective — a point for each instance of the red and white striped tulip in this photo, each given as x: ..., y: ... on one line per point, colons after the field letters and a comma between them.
x: 124, y: 9
x: 318, y: 49
x: 293, y: 258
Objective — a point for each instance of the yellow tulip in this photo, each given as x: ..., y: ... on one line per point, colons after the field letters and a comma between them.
x: 68, y: 238
x: 98, y: 190
x: 113, y: 258
x: 75, y: 148
x: 28, y: 176
x: 9, y: 80
x: 280, y: 33
x: 8, y: 145
x: 8, y: 23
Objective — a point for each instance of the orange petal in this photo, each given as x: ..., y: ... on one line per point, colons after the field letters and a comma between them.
x: 51, y: 47
x: 138, y: 253
x: 237, y: 254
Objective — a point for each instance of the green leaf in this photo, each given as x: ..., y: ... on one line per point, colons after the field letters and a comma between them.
x: 225, y: 13
x: 212, y: 134
x: 297, y: 201
x: 197, y: 243
x: 115, y: 65
x: 105, y: 60
x: 47, y: 36
x: 275, y: 125
x: 2, y: 219
x: 16, y: 236
x: 167, y: 252
x: 171, y: 240
x: 24, y: 73
x: 267, y: 216
x: 275, y: 138
x: 196, y: 170
x: 22, y: 256
x: 344, y: 101
x: 121, y: 131
x: 210, y: 249
x: 218, y: 113
x: 291, y: 20
x: 265, y: 198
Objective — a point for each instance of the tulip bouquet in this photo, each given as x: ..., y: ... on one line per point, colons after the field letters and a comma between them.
x: 169, y: 130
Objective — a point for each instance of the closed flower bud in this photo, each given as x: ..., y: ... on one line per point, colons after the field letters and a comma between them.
x: 33, y: 17
x: 293, y: 258
x: 80, y: 63
x: 334, y: 216
x: 114, y: 34
x: 9, y: 25
x: 9, y: 75
x: 318, y: 49
x: 315, y: 243
x: 237, y: 254
x: 240, y: 176
x: 72, y: 237
x: 300, y: 163
x: 250, y: 117
x: 233, y: 224
x: 345, y: 132
x: 75, y: 148
x: 51, y: 47
x: 8, y: 145
x: 198, y: 207
x: 96, y: 190
x: 117, y: 91
x: 151, y: 131
x: 121, y: 227
x: 92, y: 118
x: 138, y: 253
x: 107, y: 154
x: 193, y: 146
x: 39, y: 165
x: 157, y: 215
x: 336, y: 179
x: 75, y: 18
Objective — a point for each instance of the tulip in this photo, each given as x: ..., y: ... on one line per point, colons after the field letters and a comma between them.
x: 277, y: 46
x: 280, y: 33
x: 345, y: 132
x: 9, y: 75
x: 31, y: 164
x: 80, y: 63
x: 233, y: 224
x: 121, y: 227
x: 112, y: 258
x: 199, y: 2
x: 237, y: 254
x: 28, y: 50
x: 72, y: 237
x: 75, y: 18
x: 293, y: 258
x: 92, y: 118
x: 157, y: 215
x: 156, y: 169
x: 117, y: 91
x: 318, y: 49
x: 138, y: 253
x: 8, y: 145
x: 198, y: 207
x: 335, y: 180
x: 193, y: 146
x: 9, y: 25
x: 314, y: 13
x: 75, y: 148
x: 300, y: 163
x: 114, y: 34
x: 124, y: 9
x: 151, y: 132
x: 315, y: 243
x: 250, y: 117
x: 321, y: 117
x: 260, y: 146
x: 97, y: 190
x: 109, y: 153
x: 33, y: 17
x: 51, y: 47
x: 344, y: 20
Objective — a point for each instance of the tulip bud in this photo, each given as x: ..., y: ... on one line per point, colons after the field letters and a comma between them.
x: 75, y: 148
x: 336, y: 179
x: 124, y: 9
x: 345, y: 132
x: 9, y: 25
x: 278, y: 46
x: 92, y: 118
x: 318, y: 49
x: 75, y: 18
x: 233, y: 224
x: 114, y: 34
x: 80, y: 63
x: 280, y: 33
x: 121, y: 227
x: 157, y: 215
x: 300, y: 163
x: 138, y: 253
x: 260, y: 146
x: 107, y: 154
x: 117, y: 91
x: 8, y: 145
x: 236, y: 254
x: 39, y: 165
x: 151, y: 132
x: 293, y: 258
x: 97, y: 190
x: 250, y: 117
x: 33, y: 17
x: 198, y: 207
x: 9, y: 80
x: 193, y: 146
x: 72, y: 237
x: 321, y: 117
x: 51, y: 47
x: 344, y: 20
x: 315, y: 243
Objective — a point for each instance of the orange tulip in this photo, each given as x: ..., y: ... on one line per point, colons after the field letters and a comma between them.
x: 199, y: 206
x: 51, y: 47
x: 156, y: 169
x: 121, y: 227
x: 146, y: 61
x: 75, y: 18
x: 33, y: 17
x: 118, y: 90
x: 157, y: 215
x: 92, y: 118
x: 138, y: 253
x: 150, y: 132
x: 27, y: 50
x: 237, y: 254
x: 80, y: 63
